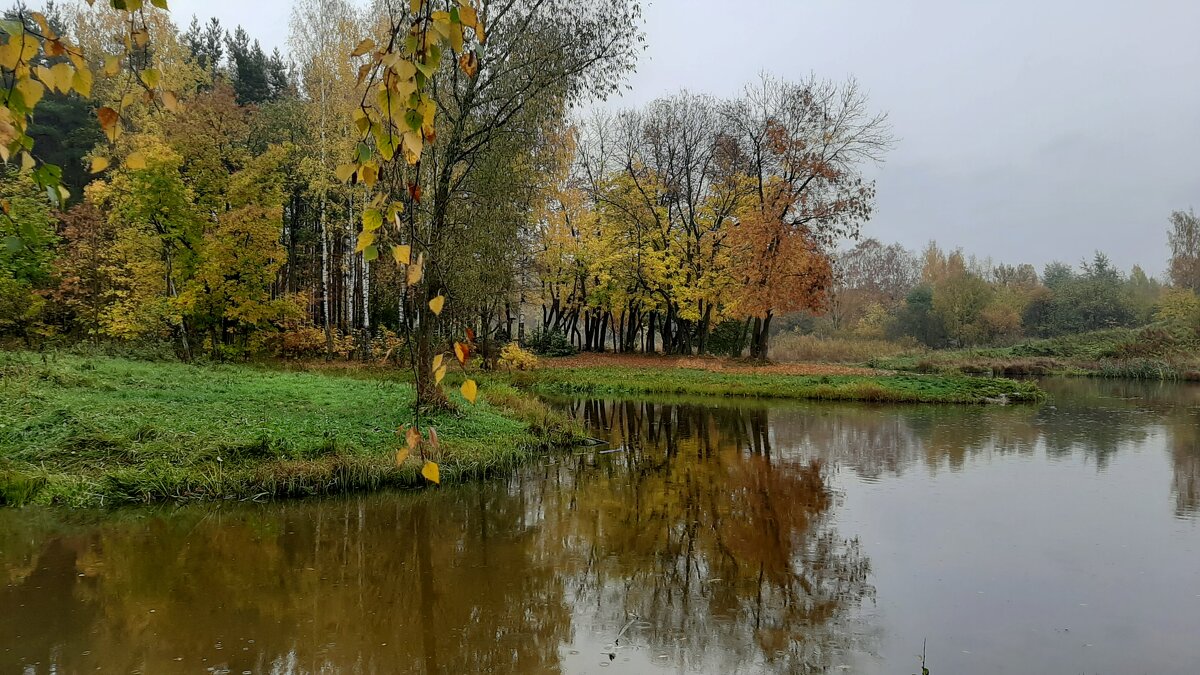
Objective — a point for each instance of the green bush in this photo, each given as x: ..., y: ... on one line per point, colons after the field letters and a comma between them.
x: 550, y: 343
x: 728, y: 338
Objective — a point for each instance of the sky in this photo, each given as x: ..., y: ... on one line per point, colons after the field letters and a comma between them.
x: 1027, y: 130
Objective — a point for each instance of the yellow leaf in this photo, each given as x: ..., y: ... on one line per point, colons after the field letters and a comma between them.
x: 402, y: 254
x: 462, y: 352
x: 416, y: 271
x: 82, y: 82
x: 64, y: 77
x: 363, y: 47
x: 112, y: 65
x: 27, y: 162
x: 372, y: 220
x: 365, y: 239
x: 412, y: 146
x: 170, y: 101
x: 437, y: 361
x: 99, y: 164
x: 469, y: 390
x: 466, y: 14
x: 45, y: 75
x: 405, y: 70
x: 435, y: 305
x: 393, y: 212
x: 150, y: 77
x: 401, y: 455
x: 10, y: 54
x: 135, y: 161
x: 430, y: 472
x: 345, y: 172
x: 439, y: 374
x: 31, y: 91
x: 368, y: 173
x: 40, y: 20
x: 428, y: 110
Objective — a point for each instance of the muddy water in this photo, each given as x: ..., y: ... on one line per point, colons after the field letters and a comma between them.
x: 703, y: 538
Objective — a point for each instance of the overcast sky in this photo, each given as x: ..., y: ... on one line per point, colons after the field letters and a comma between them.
x: 1029, y: 130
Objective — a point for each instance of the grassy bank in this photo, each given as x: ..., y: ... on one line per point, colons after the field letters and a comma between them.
x: 623, y: 379
x: 1152, y: 352
x: 100, y: 431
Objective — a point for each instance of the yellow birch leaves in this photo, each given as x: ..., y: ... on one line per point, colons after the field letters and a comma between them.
x: 414, y: 442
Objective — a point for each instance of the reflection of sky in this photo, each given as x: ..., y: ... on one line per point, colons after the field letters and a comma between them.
x: 1061, y: 539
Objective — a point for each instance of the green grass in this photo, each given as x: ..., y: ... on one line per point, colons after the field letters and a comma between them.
x: 1154, y: 352
x: 88, y: 431
x: 882, y: 388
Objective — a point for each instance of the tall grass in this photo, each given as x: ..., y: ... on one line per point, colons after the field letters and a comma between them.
x: 810, y: 348
x: 1152, y: 352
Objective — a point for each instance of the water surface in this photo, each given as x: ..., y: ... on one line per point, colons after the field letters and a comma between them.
x: 707, y: 536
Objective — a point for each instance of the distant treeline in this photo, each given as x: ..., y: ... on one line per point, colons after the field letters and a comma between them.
x: 947, y: 299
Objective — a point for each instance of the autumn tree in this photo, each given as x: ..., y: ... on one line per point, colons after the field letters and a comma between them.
x: 804, y: 145
x: 1184, y: 238
x: 157, y: 239
x: 443, y: 84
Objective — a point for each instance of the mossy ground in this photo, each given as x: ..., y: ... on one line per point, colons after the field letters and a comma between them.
x: 88, y: 431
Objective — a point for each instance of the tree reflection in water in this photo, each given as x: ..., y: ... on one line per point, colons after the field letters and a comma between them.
x: 696, y: 540
x: 719, y: 547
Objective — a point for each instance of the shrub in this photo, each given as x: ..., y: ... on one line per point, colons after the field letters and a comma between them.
x: 513, y: 357
x: 308, y: 341
x: 550, y: 343
x: 728, y: 338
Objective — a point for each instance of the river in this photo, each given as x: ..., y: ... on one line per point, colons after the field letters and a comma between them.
x: 705, y: 536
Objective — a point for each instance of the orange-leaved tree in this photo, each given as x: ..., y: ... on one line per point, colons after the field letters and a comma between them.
x: 803, y: 145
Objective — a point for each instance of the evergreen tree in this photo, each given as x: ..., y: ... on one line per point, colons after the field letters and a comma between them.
x: 248, y: 68
x: 206, y: 44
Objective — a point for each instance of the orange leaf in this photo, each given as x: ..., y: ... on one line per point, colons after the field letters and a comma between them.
x: 462, y: 352
x: 469, y: 63
x: 363, y: 47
